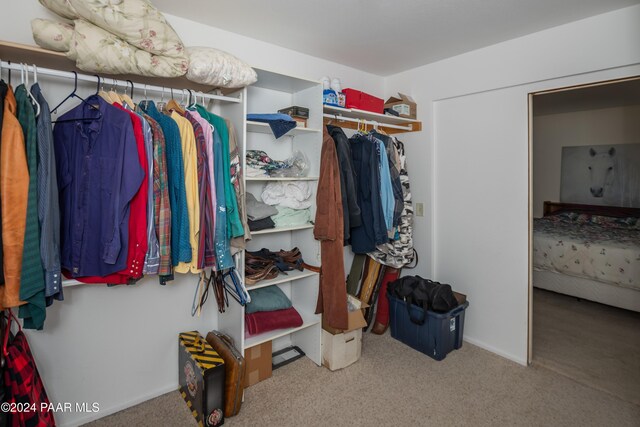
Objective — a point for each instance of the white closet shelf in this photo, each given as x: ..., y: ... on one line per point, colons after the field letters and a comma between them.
x: 282, y: 229
x: 308, y: 320
x: 289, y: 277
x: 284, y: 178
x: 349, y: 117
x: 259, y: 127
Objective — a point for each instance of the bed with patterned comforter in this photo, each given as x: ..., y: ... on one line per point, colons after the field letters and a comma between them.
x: 589, y: 246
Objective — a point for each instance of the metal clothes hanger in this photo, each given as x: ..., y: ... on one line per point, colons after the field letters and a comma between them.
x: 162, y: 104
x: 126, y: 98
x: 73, y: 94
x: 113, y: 93
x: 103, y: 93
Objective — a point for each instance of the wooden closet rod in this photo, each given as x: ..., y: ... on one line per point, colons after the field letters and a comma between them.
x: 94, y: 79
x: 340, y: 118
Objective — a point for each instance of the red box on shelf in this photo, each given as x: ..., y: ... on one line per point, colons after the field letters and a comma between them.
x: 363, y: 101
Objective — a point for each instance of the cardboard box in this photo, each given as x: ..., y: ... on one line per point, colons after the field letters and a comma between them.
x: 404, y: 105
x: 356, y: 317
x: 300, y: 122
x: 201, y: 376
x: 296, y: 111
x: 258, y: 361
x: 341, y: 350
x: 363, y: 101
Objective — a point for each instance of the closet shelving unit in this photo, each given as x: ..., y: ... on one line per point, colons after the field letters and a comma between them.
x: 54, y: 65
x: 352, y: 117
x: 274, y: 91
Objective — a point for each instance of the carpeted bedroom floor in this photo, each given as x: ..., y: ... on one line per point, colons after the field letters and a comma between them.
x: 592, y: 343
x: 394, y: 385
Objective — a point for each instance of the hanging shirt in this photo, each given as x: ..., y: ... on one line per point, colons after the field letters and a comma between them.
x: 152, y: 258
x: 161, y: 208
x: 234, y: 224
x: 190, y: 159
x: 48, y: 206
x: 210, y: 159
x: 386, y: 192
x: 137, y: 244
x: 98, y: 174
x: 180, y: 246
x: 3, y: 92
x: 32, y: 274
x: 237, y: 243
x: 14, y: 183
x: 204, y: 134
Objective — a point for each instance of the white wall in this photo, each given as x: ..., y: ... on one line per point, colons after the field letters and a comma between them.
x: 551, y: 132
x: 470, y: 164
x: 118, y: 346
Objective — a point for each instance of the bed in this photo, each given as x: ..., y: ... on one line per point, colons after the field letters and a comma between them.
x: 590, y: 252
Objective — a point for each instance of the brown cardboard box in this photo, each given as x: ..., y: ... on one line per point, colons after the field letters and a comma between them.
x: 258, y: 361
x: 405, y: 105
x: 356, y: 317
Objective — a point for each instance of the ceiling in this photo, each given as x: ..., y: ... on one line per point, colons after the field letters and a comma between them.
x: 384, y: 37
x: 593, y: 97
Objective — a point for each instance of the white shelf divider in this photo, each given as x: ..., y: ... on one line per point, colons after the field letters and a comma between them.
x: 282, y: 229
x: 276, y: 178
x: 259, y: 127
x: 308, y: 320
x: 282, y: 278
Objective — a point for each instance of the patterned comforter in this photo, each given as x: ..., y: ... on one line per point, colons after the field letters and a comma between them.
x: 590, y: 246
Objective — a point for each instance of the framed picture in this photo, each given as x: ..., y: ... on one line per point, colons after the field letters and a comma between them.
x: 601, y: 175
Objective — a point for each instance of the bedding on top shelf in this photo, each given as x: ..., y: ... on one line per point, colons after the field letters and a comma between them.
x: 590, y: 246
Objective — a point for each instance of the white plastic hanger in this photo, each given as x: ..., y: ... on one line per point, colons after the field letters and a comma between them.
x: 24, y: 74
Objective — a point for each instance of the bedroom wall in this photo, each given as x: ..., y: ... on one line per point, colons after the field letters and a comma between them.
x: 118, y: 346
x: 604, y: 126
x: 470, y: 164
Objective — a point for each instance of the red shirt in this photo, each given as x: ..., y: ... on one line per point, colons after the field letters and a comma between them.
x: 137, y: 247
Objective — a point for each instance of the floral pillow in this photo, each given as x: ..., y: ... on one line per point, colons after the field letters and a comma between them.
x: 135, y: 21
x: 98, y: 51
x: 52, y: 35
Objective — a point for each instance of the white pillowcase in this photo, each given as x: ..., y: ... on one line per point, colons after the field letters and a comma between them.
x: 209, y: 66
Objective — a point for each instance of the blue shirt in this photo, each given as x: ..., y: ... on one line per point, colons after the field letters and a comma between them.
x: 98, y: 174
x: 386, y: 191
x: 180, y: 245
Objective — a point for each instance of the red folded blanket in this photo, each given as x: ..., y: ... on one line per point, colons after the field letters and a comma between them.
x: 265, y: 321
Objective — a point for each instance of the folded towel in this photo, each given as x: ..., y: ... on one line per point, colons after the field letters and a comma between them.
x: 265, y: 321
x: 257, y: 210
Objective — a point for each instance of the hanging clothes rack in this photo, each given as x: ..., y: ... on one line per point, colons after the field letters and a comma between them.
x: 94, y: 78
x: 374, y: 123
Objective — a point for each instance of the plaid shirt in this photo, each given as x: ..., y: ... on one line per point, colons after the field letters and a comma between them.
x: 162, y: 209
x: 23, y: 385
x: 206, y: 249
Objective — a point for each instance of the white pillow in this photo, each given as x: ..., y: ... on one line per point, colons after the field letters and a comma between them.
x: 52, y: 35
x: 214, y: 67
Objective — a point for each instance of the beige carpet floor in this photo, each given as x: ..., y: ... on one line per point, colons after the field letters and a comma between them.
x: 394, y: 385
x: 592, y: 343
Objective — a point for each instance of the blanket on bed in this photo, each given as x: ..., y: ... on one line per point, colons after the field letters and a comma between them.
x: 591, y: 246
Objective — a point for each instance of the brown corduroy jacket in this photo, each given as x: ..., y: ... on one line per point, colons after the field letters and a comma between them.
x: 14, y: 185
x: 332, y: 298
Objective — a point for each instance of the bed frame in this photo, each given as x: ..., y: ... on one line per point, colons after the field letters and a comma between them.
x: 589, y: 289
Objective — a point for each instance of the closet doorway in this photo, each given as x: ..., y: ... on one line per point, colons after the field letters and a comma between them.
x: 584, y: 287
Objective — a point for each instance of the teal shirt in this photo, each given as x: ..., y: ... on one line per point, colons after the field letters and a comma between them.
x: 234, y: 223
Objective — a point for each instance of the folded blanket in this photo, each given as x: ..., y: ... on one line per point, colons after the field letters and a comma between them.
x: 261, y: 224
x: 257, y: 210
x: 280, y: 124
x: 265, y: 321
x: 287, y: 217
x: 289, y: 194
